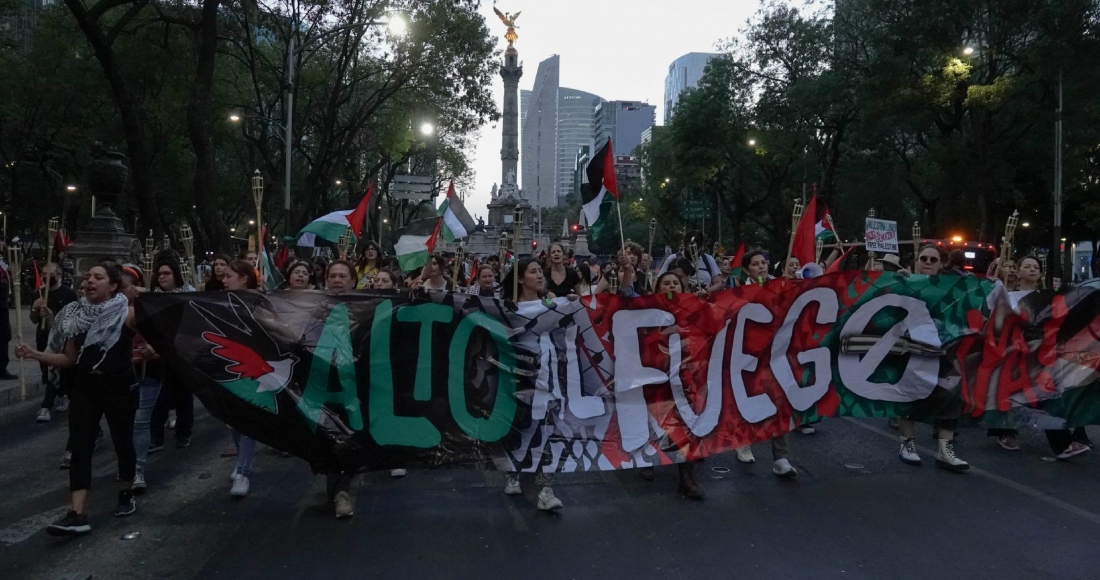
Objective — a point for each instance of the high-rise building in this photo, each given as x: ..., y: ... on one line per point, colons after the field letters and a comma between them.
x: 683, y: 73
x: 25, y: 21
x: 624, y: 122
x: 576, y: 123
x: 539, y: 153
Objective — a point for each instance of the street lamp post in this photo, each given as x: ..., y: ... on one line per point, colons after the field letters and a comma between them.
x: 398, y: 27
x: 1064, y: 265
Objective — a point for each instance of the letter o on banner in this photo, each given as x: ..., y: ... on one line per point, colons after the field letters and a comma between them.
x: 921, y: 374
x: 499, y: 422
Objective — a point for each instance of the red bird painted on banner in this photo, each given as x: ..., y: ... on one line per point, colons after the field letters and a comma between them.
x: 248, y: 351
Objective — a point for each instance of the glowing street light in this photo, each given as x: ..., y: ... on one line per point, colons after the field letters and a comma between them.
x: 1026, y: 224
x: 338, y: 182
x: 752, y: 142
x: 70, y: 188
x: 427, y: 129
x: 968, y: 50
x: 235, y: 118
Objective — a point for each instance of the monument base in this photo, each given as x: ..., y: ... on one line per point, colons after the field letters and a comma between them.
x: 104, y: 238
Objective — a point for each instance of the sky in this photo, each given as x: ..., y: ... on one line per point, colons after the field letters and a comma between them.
x: 617, y: 50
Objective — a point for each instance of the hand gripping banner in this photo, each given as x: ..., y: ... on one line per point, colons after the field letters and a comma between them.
x: 372, y: 381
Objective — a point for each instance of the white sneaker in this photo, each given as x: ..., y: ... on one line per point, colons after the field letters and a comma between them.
x: 1073, y: 450
x: 511, y: 485
x: 43, y: 415
x: 744, y: 455
x: 783, y: 468
x: 61, y: 405
x: 547, y: 501
x: 807, y: 430
x: 138, y: 484
x: 171, y: 419
x: 398, y: 472
x: 240, y: 486
x: 908, y: 453
x: 344, y: 507
x: 947, y: 459
x: 233, y: 476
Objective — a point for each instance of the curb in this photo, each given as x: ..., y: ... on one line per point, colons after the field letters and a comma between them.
x: 10, y: 395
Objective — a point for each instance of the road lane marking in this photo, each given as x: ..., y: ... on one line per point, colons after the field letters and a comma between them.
x: 27, y: 527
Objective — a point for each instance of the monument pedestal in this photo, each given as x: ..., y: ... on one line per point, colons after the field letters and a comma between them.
x: 104, y: 238
x: 580, y: 248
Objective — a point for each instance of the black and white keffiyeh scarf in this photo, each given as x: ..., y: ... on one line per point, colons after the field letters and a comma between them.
x: 102, y: 322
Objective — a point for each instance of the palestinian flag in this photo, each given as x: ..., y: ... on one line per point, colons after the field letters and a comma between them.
x: 413, y: 248
x: 327, y: 227
x: 599, y: 189
x: 272, y: 276
x: 457, y: 222
x: 736, y: 270
x: 358, y: 217
x: 824, y: 230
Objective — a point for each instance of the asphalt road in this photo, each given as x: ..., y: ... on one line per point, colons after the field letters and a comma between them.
x: 854, y: 512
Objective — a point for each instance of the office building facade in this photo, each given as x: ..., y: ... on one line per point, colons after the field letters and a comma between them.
x: 624, y: 122
x: 538, y: 138
x: 576, y: 124
x: 684, y: 73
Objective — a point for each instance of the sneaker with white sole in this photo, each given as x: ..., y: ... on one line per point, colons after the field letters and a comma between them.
x: 807, y: 430
x: 398, y: 472
x: 73, y: 524
x: 43, y: 415
x: 344, y: 507
x: 240, y: 486
x: 156, y: 446
x: 511, y: 484
x: 946, y: 457
x: 1074, y: 450
x: 908, y: 452
x: 61, y: 404
x: 744, y: 455
x: 66, y: 459
x: 138, y: 485
x: 233, y: 476
x: 783, y: 468
x: 547, y: 501
x: 126, y: 504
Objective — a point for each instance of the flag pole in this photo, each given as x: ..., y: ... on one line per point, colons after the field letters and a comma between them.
x: 51, y: 232
x: 15, y: 261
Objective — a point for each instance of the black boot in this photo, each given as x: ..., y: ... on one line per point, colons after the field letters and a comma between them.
x: 688, y: 486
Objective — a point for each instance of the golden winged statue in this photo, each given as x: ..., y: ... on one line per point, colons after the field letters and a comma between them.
x: 509, y: 20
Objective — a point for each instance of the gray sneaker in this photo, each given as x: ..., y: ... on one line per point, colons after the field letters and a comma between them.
x: 240, y: 486
x: 66, y: 459
x: 511, y: 484
x: 43, y: 415
x: 138, y: 485
x: 61, y: 404
x: 547, y: 501
x: 344, y: 507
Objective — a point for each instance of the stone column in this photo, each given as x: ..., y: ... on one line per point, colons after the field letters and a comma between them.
x: 510, y: 71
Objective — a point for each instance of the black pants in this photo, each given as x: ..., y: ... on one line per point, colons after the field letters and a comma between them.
x: 92, y: 397
x: 173, y: 395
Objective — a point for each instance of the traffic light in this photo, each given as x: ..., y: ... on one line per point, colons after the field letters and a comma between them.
x: 534, y: 245
x: 576, y: 228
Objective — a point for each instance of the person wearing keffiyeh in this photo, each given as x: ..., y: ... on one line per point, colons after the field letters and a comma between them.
x: 94, y: 336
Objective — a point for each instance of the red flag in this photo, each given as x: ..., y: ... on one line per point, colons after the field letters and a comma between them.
x: 805, y: 238
x: 61, y: 240
x: 738, y: 256
x: 358, y: 218
x: 282, y: 256
x: 434, y: 237
x: 835, y: 266
x: 37, y: 277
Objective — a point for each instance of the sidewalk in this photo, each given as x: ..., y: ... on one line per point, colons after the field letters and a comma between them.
x: 9, y: 390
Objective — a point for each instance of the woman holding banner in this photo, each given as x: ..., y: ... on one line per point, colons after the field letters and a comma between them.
x: 669, y: 284
x: 1063, y: 442
x: 531, y: 287
x: 941, y: 404
x: 238, y: 276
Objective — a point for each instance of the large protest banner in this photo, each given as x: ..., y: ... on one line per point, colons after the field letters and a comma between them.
x: 378, y: 381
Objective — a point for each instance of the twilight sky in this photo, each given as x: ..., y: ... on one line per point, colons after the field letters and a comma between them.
x: 636, y: 42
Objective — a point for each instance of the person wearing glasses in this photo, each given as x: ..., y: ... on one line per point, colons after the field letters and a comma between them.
x: 940, y: 401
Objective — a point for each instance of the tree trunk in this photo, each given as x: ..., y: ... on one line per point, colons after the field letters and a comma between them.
x: 212, y: 231
x: 139, y: 149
